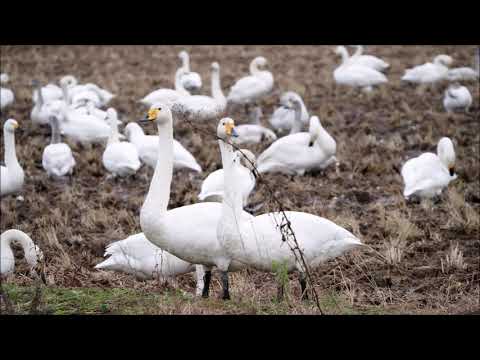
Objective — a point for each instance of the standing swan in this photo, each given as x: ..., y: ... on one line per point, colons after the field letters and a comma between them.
x: 6, y: 95
x: 7, y: 260
x: 188, y: 232
x: 57, y: 158
x: 11, y: 175
x: 257, y: 241
x: 191, y: 81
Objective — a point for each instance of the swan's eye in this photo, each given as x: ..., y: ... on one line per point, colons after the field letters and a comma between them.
x: 159, y: 109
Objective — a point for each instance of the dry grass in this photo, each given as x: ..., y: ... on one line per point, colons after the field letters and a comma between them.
x: 453, y: 260
x: 462, y: 215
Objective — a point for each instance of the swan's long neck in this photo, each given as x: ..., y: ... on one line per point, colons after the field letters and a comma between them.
x: 253, y: 68
x: 55, y: 126
x: 25, y: 242
x: 186, y: 61
x: 297, y: 122
x: 65, y: 92
x: 178, y: 82
x: 344, y: 54
x: 359, y: 51
x: 159, y: 192
x: 10, y: 153
x: 41, y: 101
x: 114, y: 134
x: 217, y: 92
x: 232, y: 198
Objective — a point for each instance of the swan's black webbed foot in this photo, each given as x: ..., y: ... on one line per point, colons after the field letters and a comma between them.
x: 206, y: 283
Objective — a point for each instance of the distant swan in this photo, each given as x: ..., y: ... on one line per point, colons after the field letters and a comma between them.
x: 32, y: 252
x: 12, y: 175
x: 191, y: 81
x: 457, y: 98
x: 6, y: 95
x: 429, y: 72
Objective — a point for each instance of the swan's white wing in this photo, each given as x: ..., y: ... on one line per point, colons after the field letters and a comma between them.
x: 213, y: 185
x: 6, y: 97
x: 183, y: 158
x: 166, y: 96
x: 247, y: 89
x: 191, y: 81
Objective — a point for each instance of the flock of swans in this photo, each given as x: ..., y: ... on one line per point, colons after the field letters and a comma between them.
x: 216, y: 232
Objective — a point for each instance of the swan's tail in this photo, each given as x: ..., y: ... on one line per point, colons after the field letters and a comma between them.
x: 107, y: 264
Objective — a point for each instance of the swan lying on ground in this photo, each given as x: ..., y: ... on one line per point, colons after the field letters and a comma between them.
x: 6, y: 95
x: 137, y: 256
x: 147, y: 147
x: 430, y: 72
x: 300, y: 152
x: 428, y: 174
x: 286, y: 118
x: 74, y: 92
x: 11, y: 175
x: 213, y: 186
x: 457, y: 98
x: 368, y: 60
x: 254, y: 132
x: 167, y: 96
x: 57, y: 157
x: 44, y: 107
x: 31, y: 251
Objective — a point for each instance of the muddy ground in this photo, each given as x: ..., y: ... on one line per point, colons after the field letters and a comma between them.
x: 73, y: 220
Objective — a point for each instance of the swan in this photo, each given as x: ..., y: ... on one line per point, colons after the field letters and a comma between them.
x: 356, y: 75
x: 213, y: 185
x: 57, y: 157
x: 191, y: 81
x: 31, y: 251
x: 427, y: 174
x: 147, y: 147
x: 368, y: 60
x: 11, y: 175
x: 462, y: 74
x: 300, y: 152
x: 72, y: 90
x: 188, y: 232
x: 201, y: 107
x: 429, y: 72
x: 119, y: 158
x: 254, y: 133
x: 252, y: 88
x: 167, y: 96
x: 257, y: 241
x: 457, y: 97
x: 50, y: 92
x: 6, y: 95
x: 44, y: 107
x: 283, y: 118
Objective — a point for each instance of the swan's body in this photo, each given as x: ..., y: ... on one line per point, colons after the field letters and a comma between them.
x: 283, y: 118
x: 300, y: 152
x: 119, y: 158
x: 430, y: 72
x: 254, y: 132
x: 191, y: 81
x: 201, y: 107
x: 167, y: 96
x: 50, y: 92
x: 73, y: 92
x: 370, y: 61
x: 44, y: 106
x: 6, y: 95
x: 32, y: 252
x: 147, y: 147
x: 462, y: 74
x: 252, y: 88
x: 428, y: 174
x: 57, y: 157
x: 11, y: 175
x: 257, y: 241
x: 457, y: 98
x: 213, y: 185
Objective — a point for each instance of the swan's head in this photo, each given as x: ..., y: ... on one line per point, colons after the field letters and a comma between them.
x: 68, y: 81
x: 160, y: 113
x: 446, y: 154
x: 4, y: 78
x: 247, y: 158
x: 226, y: 128
x: 183, y: 55
x: 215, y: 66
x: 444, y: 60
x: 260, y: 61
x: 131, y: 129
x: 10, y: 125
x: 339, y: 50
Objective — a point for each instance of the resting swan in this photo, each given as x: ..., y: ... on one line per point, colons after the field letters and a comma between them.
x: 355, y: 75
x: 44, y: 107
x: 11, y: 175
x: 368, y: 60
x: 254, y: 133
x: 213, y: 185
x: 285, y: 117
x: 201, y: 107
x: 137, y: 256
x: 120, y: 158
x: 300, y: 152
x: 257, y: 241
x: 465, y: 73
x: 167, y: 96
x: 191, y: 81
x: 74, y: 92
x: 31, y: 251
x: 57, y: 157
x: 427, y: 174
x: 188, y: 232
x: 430, y: 72
x: 457, y: 98
x: 6, y: 95
x: 147, y: 147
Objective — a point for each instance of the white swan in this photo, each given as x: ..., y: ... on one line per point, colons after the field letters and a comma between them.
x: 167, y: 96
x: 31, y: 251
x: 429, y: 72
x: 191, y: 81
x: 254, y: 133
x: 6, y: 95
x: 300, y: 152
x: 427, y: 174
x: 252, y: 88
x: 147, y: 147
x: 257, y: 241
x: 137, y: 256
x: 201, y: 107
x: 119, y: 158
x: 188, y: 232
x: 57, y: 157
x: 457, y: 98
x: 43, y: 106
x: 368, y: 60
x: 355, y: 75
x: 74, y: 92
x: 50, y: 92
x: 213, y: 185
x: 462, y: 74
x: 284, y: 117
x: 11, y: 175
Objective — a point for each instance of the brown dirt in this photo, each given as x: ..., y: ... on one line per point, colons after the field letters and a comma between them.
x: 375, y: 135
